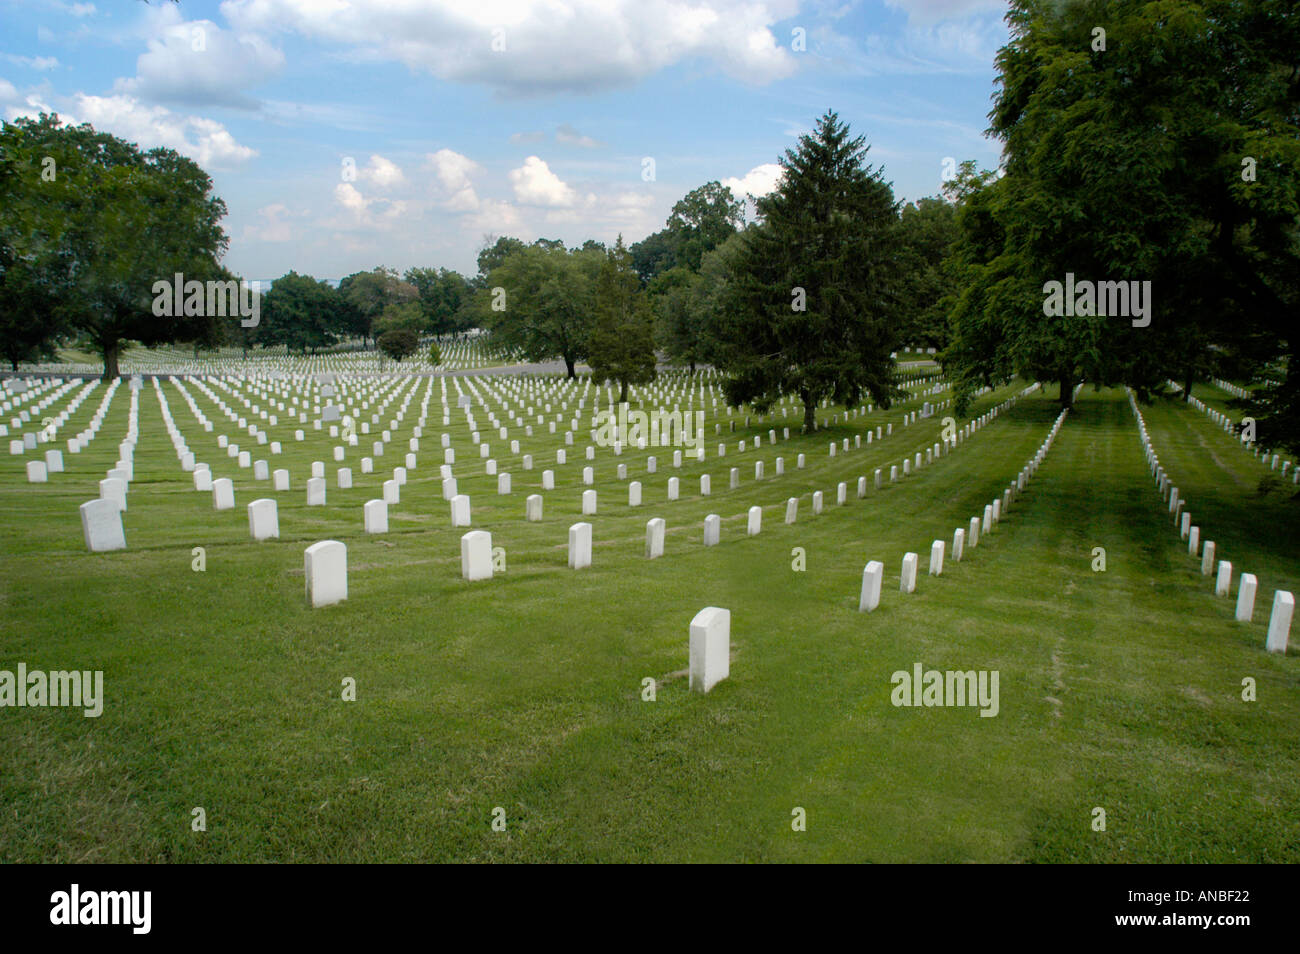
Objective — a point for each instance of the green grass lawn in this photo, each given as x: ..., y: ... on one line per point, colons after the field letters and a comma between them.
x: 1119, y: 689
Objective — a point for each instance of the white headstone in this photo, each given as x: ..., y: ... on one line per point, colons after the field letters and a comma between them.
x: 316, y: 492
x: 579, y: 546
x: 101, y: 525
x: 375, y: 515
x: 873, y: 577
x: 1223, y: 581
x: 392, y: 491
x: 223, y: 494
x: 958, y: 544
x: 36, y: 472
x: 263, y: 519
x: 1279, y: 621
x: 280, y: 479
x: 936, y: 558
x: 460, y: 511
x: 588, y: 503
x: 907, y: 581
x: 712, y: 530
x: 1246, y: 587
x: 654, y: 538
x: 634, y: 494
x: 476, y: 555
x: 325, y: 565
x: 973, y: 536
x: 755, y: 520
x: 710, y: 648
x: 533, y: 507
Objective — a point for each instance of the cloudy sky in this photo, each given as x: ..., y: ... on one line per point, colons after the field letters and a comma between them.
x: 344, y: 134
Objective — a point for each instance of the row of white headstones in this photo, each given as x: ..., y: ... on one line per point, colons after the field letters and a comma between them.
x: 456, y: 356
x: 1272, y: 461
x: 476, y: 545
x: 1279, y: 624
x: 101, y: 534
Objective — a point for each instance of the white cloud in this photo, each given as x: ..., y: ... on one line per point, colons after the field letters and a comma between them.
x: 383, y: 173
x: 496, y: 218
x: 273, y: 226
x: 758, y: 181
x: 377, y: 214
x: 33, y: 62
x: 198, y: 63
x: 206, y: 141
x: 453, y: 172
x: 569, y: 136
x: 535, y: 184
x: 543, y: 46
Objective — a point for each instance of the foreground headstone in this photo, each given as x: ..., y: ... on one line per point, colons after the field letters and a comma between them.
x: 280, y: 479
x: 375, y: 515
x: 1246, y: 587
x: 654, y: 538
x: 1279, y: 622
x: 873, y: 578
x: 533, y: 507
x: 936, y: 558
x: 710, y: 648
x: 588, y: 503
x: 476, y: 555
x: 263, y: 519
x: 907, y: 580
x: 958, y: 544
x: 325, y: 565
x: 973, y: 537
x: 101, y: 525
x: 791, y: 510
x: 755, y: 520
x: 579, y: 546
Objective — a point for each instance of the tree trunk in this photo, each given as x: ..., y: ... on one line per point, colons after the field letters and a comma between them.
x: 568, y: 366
x: 1188, y: 383
x: 692, y: 367
x: 1067, y: 390
x: 622, y: 392
x: 809, y: 411
x: 110, y: 360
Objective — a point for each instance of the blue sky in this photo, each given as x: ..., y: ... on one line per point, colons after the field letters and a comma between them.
x: 468, y: 119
